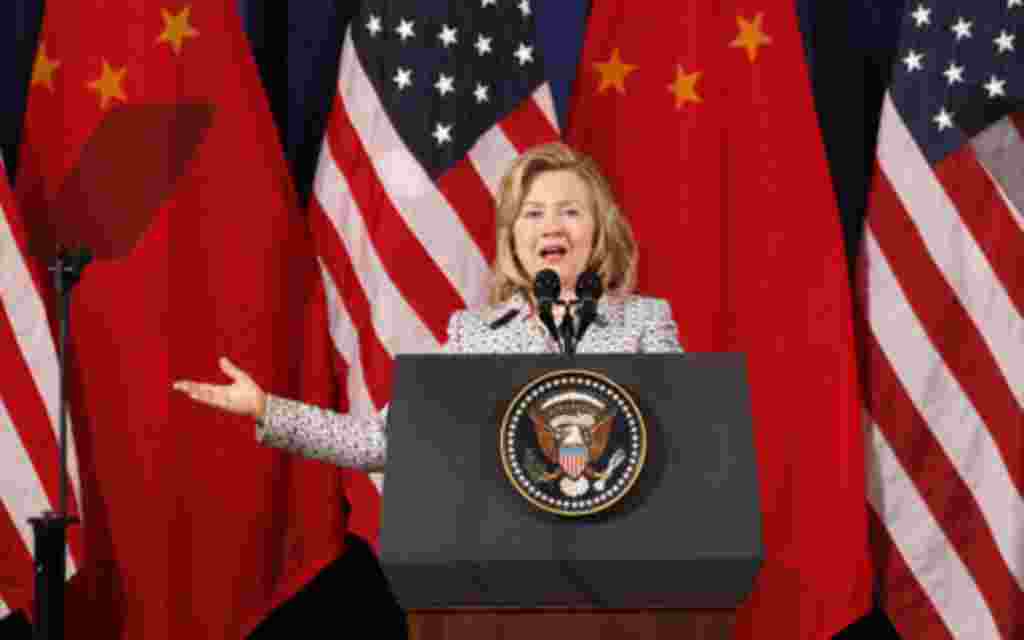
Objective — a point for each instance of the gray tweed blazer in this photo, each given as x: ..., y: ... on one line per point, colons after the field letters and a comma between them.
x: 632, y: 324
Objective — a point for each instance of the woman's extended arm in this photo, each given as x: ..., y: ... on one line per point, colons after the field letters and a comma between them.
x: 357, y: 442
x: 347, y: 440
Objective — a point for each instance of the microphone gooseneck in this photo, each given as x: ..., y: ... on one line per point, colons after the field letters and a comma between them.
x: 588, y: 291
x: 546, y: 288
x: 566, y: 330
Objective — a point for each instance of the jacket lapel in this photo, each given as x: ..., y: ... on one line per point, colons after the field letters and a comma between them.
x: 524, y: 334
x: 608, y: 333
x: 518, y: 335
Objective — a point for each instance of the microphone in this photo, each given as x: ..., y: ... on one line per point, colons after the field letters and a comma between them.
x: 546, y: 288
x: 588, y: 290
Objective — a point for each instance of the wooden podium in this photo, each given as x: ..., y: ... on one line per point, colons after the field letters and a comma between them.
x: 674, y: 624
x: 467, y: 556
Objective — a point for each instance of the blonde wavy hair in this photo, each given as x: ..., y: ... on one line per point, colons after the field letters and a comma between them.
x: 614, y: 254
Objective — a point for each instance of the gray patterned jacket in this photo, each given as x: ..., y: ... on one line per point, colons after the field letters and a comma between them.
x: 633, y: 324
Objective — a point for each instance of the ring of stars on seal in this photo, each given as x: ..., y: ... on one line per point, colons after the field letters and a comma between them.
x: 573, y: 442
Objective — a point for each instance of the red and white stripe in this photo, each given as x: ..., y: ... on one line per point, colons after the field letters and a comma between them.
x: 572, y: 460
x: 943, y: 294
x: 28, y: 418
x: 399, y: 253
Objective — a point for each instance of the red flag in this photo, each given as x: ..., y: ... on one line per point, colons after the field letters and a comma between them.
x: 701, y: 114
x: 148, y: 139
x: 943, y: 327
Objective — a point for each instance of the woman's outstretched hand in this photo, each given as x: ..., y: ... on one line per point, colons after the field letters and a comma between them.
x: 242, y: 396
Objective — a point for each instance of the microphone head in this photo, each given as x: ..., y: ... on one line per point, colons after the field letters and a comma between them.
x: 547, y: 285
x: 589, y: 286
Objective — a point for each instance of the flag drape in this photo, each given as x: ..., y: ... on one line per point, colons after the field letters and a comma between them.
x: 434, y: 100
x: 148, y: 139
x: 942, y: 293
x: 701, y: 114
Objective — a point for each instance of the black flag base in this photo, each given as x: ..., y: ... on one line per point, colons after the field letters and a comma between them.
x: 15, y: 626
x: 50, y: 533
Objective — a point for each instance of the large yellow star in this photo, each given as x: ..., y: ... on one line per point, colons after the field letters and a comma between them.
x: 108, y: 85
x: 684, y: 87
x: 176, y: 29
x: 42, y: 72
x: 613, y: 73
x: 751, y: 35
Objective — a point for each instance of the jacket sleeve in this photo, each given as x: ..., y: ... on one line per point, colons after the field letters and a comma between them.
x: 456, y: 342
x: 357, y: 442
x: 660, y: 333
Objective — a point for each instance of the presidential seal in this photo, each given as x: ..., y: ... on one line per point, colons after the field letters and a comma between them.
x: 573, y: 442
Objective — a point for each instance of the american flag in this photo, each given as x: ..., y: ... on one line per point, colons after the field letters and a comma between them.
x: 943, y: 296
x: 29, y: 414
x: 434, y: 100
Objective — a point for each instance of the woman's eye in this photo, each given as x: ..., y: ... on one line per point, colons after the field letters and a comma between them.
x: 572, y: 213
x: 532, y: 213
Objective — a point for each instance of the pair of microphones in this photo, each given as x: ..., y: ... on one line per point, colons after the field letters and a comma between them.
x: 547, y: 287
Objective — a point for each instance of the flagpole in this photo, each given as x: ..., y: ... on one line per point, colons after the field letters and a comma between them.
x: 50, y: 528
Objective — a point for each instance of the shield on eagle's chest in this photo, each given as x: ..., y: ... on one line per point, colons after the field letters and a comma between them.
x: 573, y: 460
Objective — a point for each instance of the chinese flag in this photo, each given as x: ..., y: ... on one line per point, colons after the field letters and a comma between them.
x: 701, y: 114
x: 149, y: 140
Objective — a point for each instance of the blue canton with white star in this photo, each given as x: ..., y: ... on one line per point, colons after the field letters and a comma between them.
x: 960, y: 69
x: 447, y: 71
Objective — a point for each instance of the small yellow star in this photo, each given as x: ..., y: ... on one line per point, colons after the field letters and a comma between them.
x: 176, y: 29
x: 684, y: 88
x: 108, y: 85
x: 613, y: 73
x: 751, y: 36
x: 42, y: 72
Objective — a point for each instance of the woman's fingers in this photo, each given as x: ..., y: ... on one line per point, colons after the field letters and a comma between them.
x: 207, y: 393
x: 232, y: 371
x: 185, y: 386
x: 193, y: 388
x: 242, y: 396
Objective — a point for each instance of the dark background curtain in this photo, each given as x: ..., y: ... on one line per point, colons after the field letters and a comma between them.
x: 850, y: 47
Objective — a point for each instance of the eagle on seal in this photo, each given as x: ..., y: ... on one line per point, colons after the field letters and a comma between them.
x: 572, y: 430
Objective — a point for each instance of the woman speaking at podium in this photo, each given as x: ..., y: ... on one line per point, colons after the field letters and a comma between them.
x: 563, y: 246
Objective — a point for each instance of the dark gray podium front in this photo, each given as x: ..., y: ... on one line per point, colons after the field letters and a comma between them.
x: 456, y: 535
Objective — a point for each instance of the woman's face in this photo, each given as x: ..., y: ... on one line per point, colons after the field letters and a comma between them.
x: 555, y: 227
